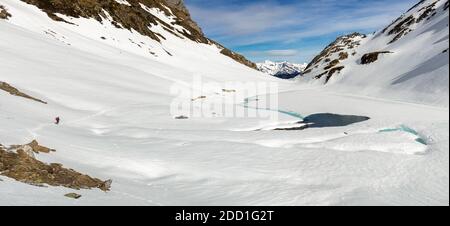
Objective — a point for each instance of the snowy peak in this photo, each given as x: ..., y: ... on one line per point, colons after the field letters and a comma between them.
x: 283, y: 70
x: 407, y: 60
x: 330, y: 60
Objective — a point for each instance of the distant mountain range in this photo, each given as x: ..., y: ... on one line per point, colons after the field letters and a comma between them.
x: 284, y: 70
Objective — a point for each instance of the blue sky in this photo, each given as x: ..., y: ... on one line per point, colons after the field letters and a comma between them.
x: 292, y: 30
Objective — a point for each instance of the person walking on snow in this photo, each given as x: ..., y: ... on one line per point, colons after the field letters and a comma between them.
x: 57, y: 119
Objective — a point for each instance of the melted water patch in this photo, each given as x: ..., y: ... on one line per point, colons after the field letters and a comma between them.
x: 290, y: 113
x: 332, y: 120
x: 406, y: 129
x: 322, y: 120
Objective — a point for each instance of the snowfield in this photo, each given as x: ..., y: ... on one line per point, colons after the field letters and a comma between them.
x: 114, y: 101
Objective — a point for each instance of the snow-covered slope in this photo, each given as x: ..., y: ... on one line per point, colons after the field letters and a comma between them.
x: 83, y: 67
x: 165, y: 52
x: 145, y: 27
x: 408, y: 60
x: 283, y: 70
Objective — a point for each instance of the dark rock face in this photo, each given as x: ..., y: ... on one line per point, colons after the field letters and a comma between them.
x: 427, y: 12
x: 332, y: 71
x: 4, y: 13
x: 402, y: 28
x: 343, y: 55
x: 332, y: 64
x: 372, y: 57
x: 134, y: 16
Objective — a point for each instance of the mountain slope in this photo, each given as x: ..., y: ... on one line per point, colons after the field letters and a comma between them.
x: 146, y: 17
x: 82, y: 70
x: 284, y: 70
x: 408, y: 60
x: 173, y: 58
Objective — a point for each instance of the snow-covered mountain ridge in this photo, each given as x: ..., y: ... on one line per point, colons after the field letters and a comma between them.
x: 146, y: 17
x: 285, y: 70
x: 407, y: 60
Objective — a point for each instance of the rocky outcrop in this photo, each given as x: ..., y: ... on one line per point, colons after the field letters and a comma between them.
x: 73, y: 195
x: 178, y: 4
x: 19, y: 164
x: 343, y: 55
x: 33, y: 147
x: 372, y: 57
x: 402, y: 28
x: 332, y: 64
x: 181, y: 7
x: 128, y: 16
x: 238, y: 57
x: 15, y: 92
x: 134, y: 15
x: 4, y: 13
x: 332, y: 71
x: 336, y: 50
x: 331, y: 59
x: 405, y: 23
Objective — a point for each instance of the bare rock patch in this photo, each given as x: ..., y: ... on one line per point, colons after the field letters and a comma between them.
x: 372, y: 57
x: 15, y: 92
x: 21, y: 165
x: 4, y: 13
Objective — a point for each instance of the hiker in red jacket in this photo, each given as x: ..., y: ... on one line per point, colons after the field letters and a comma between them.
x: 57, y: 119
